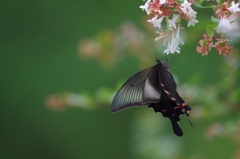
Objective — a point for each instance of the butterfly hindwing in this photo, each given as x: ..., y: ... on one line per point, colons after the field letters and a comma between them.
x: 170, y: 110
x: 169, y: 86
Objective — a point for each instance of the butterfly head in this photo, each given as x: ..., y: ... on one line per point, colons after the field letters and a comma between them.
x: 158, y: 61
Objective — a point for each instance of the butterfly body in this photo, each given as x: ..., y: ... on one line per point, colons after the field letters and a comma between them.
x: 156, y: 88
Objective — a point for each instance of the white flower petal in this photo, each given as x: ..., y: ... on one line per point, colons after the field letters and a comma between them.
x: 162, y: 1
x: 145, y: 6
x: 185, y: 6
x: 234, y: 8
x: 173, y: 45
x: 156, y: 22
x: 192, y: 22
x: 224, y: 25
x: 172, y: 23
x: 190, y: 13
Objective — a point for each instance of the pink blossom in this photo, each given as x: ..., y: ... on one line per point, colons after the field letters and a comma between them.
x: 222, y: 46
x: 205, y: 45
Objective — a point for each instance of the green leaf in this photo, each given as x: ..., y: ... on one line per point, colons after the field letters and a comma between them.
x: 234, y: 21
x: 219, y: 1
x: 215, y: 20
x: 209, y: 31
x: 214, y: 25
x: 200, y: 6
x: 199, y: 1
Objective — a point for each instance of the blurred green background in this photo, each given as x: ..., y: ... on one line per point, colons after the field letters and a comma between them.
x: 39, y: 56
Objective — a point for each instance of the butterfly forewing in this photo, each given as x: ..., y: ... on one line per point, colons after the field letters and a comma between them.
x: 152, y: 88
x: 130, y: 94
x: 168, y: 77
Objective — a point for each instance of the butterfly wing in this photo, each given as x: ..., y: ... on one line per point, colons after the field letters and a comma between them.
x: 130, y: 94
x: 167, y: 76
x: 155, y: 87
x: 169, y: 86
x: 166, y: 105
x: 170, y: 110
x: 152, y: 88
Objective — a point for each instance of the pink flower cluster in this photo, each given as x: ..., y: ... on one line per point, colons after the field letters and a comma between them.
x: 222, y: 46
x: 224, y: 10
x: 207, y: 43
x: 175, y: 10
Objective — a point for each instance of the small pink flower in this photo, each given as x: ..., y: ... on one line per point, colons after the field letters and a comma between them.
x: 222, y: 9
x: 162, y: 35
x: 222, y: 46
x: 205, y: 45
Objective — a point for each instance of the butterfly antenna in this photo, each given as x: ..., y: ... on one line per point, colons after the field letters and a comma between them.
x: 165, y: 59
x: 173, y: 59
x: 156, y: 55
x: 176, y: 57
x: 149, y: 54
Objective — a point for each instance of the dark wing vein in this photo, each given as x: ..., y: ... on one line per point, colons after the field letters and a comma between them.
x: 130, y: 94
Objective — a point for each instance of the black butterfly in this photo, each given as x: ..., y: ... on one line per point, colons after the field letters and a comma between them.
x: 155, y: 87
